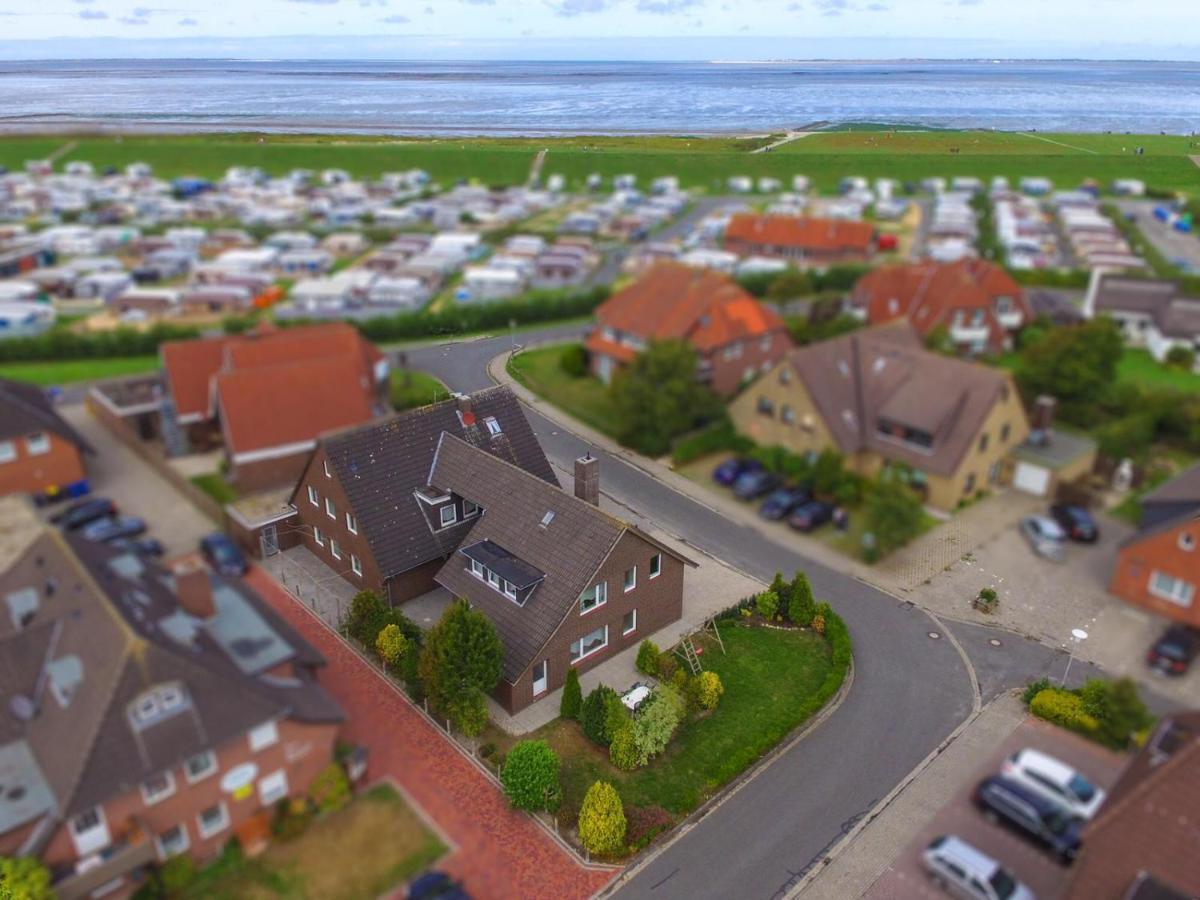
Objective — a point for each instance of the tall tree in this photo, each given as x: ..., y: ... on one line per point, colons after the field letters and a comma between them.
x: 1075, y: 364
x: 893, y: 516
x: 460, y: 662
x: 658, y: 398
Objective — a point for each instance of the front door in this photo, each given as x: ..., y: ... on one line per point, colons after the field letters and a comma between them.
x: 541, y: 679
x: 270, y: 540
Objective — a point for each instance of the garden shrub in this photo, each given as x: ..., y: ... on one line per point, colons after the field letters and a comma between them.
x: 820, y: 620
x: 714, y: 439
x: 26, y: 878
x: 530, y: 775
x: 616, y: 716
x: 573, y: 360
x: 602, y: 822
x: 1118, y: 709
x: 391, y: 645
x: 767, y: 604
x: 1065, y: 709
x: 572, y: 696
x: 175, y: 874
x: 594, y: 715
x: 330, y: 790
x: 1180, y: 357
x: 647, y: 658
x: 460, y: 665
x: 368, y: 615
x: 623, y: 752
x: 656, y: 722
x: 292, y: 816
x: 667, y: 664
x: 706, y: 690
x: 782, y: 590
x: 801, y: 607
x: 1034, y: 688
x: 644, y: 823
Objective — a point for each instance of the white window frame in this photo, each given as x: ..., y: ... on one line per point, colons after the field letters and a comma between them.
x: 8, y: 451
x: 627, y: 584
x: 160, y: 847
x: 632, y: 628
x: 351, y: 524
x: 317, y: 536
x: 333, y: 548
x: 95, y: 837
x: 355, y: 565
x: 1187, y: 541
x: 442, y: 515
x: 42, y: 445
x: 273, y: 788
x: 594, y: 650
x: 150, y: 799
x: 263, y: 736
x: 600, y: 597
x: 493, y: 426
x: 325, y: 466
x: 206, y: 833
x: 545, y: 679
x: 470, y: 509
x: 492, y: 578
x: 208, y: 772
x: 478, y: 569
x: 655, y: 566
x: 330, y: 509
x: 313, y: 497
x: 510, y: 590
x: 1181, y: 593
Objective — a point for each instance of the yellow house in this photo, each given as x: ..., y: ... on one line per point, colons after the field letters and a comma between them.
x: 878, y: 396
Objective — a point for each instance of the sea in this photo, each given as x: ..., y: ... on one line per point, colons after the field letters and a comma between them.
x: 548, y: 98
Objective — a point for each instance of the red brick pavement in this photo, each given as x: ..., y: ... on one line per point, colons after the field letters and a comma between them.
x: 499, y: 853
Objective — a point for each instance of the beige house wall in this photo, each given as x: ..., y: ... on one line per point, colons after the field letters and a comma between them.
x: 782, y: 386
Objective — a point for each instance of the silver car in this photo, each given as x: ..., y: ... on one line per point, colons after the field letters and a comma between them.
x: 963, y: 871
x: 1045, y: 536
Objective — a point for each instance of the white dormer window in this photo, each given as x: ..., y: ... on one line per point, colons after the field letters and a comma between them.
x: 493, y: 426
x: 469, y: 509
x: 312, y: 496
x: 510, y: 590
x: 477, y: 569
x: 447, y: 515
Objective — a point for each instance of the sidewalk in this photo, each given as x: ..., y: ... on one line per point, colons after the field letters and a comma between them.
x: 498, y: 853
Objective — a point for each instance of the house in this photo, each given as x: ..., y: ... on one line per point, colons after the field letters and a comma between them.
x: 879, y: 398
x: 977, y: 302
x: 266, y: 395
x: 566, y: 584
x: 364, y: 505
x: 804, y: 241
x: 1158, y: 567
x: 734, y: 335
x: 1153, y: 314
x: 152, y: 712
x: 41, y: 454
x: 1143, y: 843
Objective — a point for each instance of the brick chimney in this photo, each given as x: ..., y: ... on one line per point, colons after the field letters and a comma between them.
x: 193, y: 589
x: 466, y: 414
x: 1044, y: 408
x: 587, y: 479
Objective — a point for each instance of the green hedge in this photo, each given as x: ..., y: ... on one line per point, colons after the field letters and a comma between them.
x: 63, y: 344
x: 715, y: 439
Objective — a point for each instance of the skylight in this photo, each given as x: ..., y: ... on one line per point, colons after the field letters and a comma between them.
x: 547, y: 519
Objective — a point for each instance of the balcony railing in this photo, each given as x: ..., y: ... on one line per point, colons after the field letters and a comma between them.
x: 113, y: 862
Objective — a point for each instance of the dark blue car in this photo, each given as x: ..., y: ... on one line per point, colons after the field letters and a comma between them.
x: 1009, y: 801
x: 754, y: 484
x: 105, y: 530
x: 810, y: 515
x: 729, y: 471
x: 781, y: 502
x: 223, y: 554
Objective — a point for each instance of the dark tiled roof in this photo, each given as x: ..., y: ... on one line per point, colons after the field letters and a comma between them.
x: 25, y: 408
x: 507, y: 565
x: 380, y: 466
x: 1169, y: 505
x: 1176, y: 315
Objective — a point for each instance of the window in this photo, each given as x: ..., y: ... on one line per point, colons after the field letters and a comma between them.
x: 8, y: 451
x: 629, y: 622
x: 329, y: 510
x: 785, y: 375
x: 312, y: 496
x: 89, y: 830
x: 765, y: 406
x: 1187, y: 541
x: 469, y: 509
x: 493, y: 579
x: 334, y: 548
x: 200, y: 766
x: 493, y: 426
x: 477, y: 568
x: 273, y: 788
x: 155, y: 704
x: 1005, y: 431
x: 510, y: 590
x: 788, y: 415
x: 970, y: 485
x: 983, y: 442
x: 213, y: 820
x: 596, y: 595
x: 448, y: 515
x: 734, y: 350
x: 351, y: 524
x: 37, y: 443
x: 173, y: 841
x: 589, y: 644
x: 355, y: 565
x: 325, y: 466
x: 656, y: 565
x: 765, y: 345
x: 1168, y: 587
x: 630, y: 579
x: 318, y: 537
x: 158, y: 787
x: 540, y: 679
x: 263, y: 736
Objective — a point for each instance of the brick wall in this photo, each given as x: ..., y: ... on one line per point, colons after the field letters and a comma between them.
x: 1164, y: 552
x: 36, y: 473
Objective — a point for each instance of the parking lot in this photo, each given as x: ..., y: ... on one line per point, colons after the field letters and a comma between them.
x: 1176, y: 246
x: 1036, y: 867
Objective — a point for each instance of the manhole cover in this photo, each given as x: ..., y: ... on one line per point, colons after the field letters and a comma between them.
x: 934, y: 635
x: 994, y: 642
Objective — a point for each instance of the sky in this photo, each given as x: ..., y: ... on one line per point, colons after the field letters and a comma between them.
x: 601, y: 29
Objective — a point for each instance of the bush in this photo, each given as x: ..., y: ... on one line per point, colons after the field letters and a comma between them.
x: 623, y: 752
x: 820, y: 621
x: 656, y: 722
x: 594, y: 715
x: 893, y: 516
x: 530, y: 776
x: 25, y: 878
x: 644, y: 823
x: 1180, y: 357
x: 767, y: 604
x: 714, y: 439
x: 668, y: 663
x: 658, y: 399
x: 602, y: 820
x: 1033, y: 689
x: 292, y: 816
x: 801, y: 607
x: 391, y: 645
x: 460, y: 665
x: 1117, y: 708
x: 647, y: 658
x: 330, y: 790
x: 1065, y: 709
x: 572, y: 696
x: 706, y: 690
x: 574, y: 361
x: 176, y: 873
x: 782, y: 590
x: 368, y: 615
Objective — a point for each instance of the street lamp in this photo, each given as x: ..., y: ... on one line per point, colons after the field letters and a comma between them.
x: 1078, y: 636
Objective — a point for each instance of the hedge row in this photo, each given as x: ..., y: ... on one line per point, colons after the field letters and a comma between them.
x: 62, y: 344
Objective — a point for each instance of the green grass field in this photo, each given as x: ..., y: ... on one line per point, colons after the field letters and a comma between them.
x: 586, y: 398
x: 74, y: 371
x: 699, y: 162
x: 410, y: 389
x: 1134, y: 367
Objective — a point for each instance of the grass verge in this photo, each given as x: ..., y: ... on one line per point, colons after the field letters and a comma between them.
x: 215, y: 485
x: 584, y: 397
x: 410, y: 389
x: 74, y: 371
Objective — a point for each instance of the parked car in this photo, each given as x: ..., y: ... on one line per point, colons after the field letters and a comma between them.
x: 435, y: 884
x: 1044, y: 536
x: 1005, y: 800
x: 1054, y: 780
x: 104, y: 530
x: 1172, y: 654
x: 811, y: 515
x: 752, y: 485
x: 223, y: 554
x: 84, y: 512
x: 141, y: 546
x: 782, y: 501
x: 963, y: 871
x: 729, y: 471
x: 1077, y: 522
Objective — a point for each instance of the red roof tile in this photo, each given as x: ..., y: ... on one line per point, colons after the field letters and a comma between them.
x: 805, y: 233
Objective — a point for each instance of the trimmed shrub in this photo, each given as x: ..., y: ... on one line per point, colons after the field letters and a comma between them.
x: 783, y: 591
x: 594, y: 715
x: 820, y: 621
x: 574, y: 361
x: 647, y: 658
x: 801, y: 607
x: 1034, y: 688
x: 292, y: 816
x: 368, y: 615
x: 644, y: 823
x: 1118, y: 709
x: 460, y: 664
x: 623, y: 752
x: 715, y: 439
x: 668, y: 662
x: 572, y: 696
x: 706, y: 690
x: 176, y: 874
x: 602, y: 820
x: 767, y: 604
x: 656, y: 722
x: 330, y: 790
x: 26, y: 878
x: 1065, y: 709
x: 391, y: 645
x: 530, y: 776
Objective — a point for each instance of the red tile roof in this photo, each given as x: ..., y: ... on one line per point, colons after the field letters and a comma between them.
x: 804, y: 233
x: 671, y: 301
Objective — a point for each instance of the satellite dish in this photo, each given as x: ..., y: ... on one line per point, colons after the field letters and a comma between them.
x: 22, y: 708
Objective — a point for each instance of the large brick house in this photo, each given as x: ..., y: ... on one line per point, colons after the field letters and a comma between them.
x: 1158, y: 567
x: 977, y: 302
x: 735, y: 336
x: 266, y: 395
x: 878, y: 397
x: 363, y: 503
x: 150, y: 711
x: 41, y: 454
x: 566, y: 584
x: 800, y: 240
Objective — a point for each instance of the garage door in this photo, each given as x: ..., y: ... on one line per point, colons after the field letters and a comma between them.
x: 1031, y: 479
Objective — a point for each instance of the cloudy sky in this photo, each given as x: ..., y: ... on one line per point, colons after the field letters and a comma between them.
x: 601, y: 29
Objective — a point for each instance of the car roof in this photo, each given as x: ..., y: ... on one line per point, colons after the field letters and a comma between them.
x: 1047, y: 524
x: 970, y: 856
x: 1045, y: 764
x: 1034, y: 799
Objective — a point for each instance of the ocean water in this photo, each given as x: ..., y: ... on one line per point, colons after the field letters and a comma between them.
x: 619, y: 97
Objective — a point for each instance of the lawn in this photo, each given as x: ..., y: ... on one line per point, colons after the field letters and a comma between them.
x: 410, y: 389
x: 215, y: 485
x: 770, y: 677
x: 372, y: 846
x: 74, y: 371
x: 585, y: 398
x: 1139, y: 366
